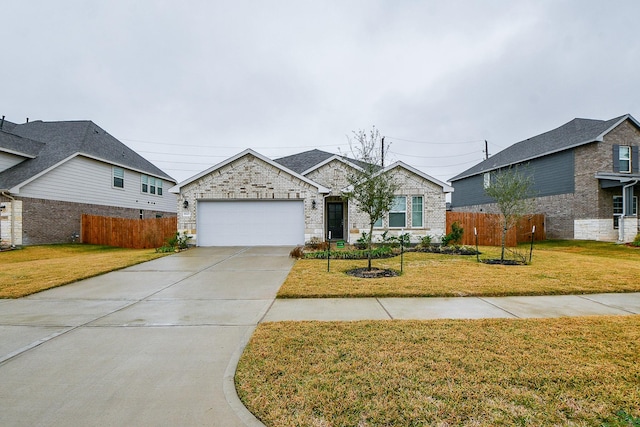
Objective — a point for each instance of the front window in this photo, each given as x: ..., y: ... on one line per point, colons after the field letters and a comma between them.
x: 416, y: 211
x: 618, y: 209
x: 624, y: 158
x: 487, y: 179
x: 150, y: 185
x: 398, y: 212
x: 118, y: 177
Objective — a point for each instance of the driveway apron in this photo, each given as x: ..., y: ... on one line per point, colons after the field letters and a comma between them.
x: 154, y: 344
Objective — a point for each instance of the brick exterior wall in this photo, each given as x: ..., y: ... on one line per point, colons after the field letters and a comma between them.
x: 334, y: 175
x: 51, y: 221
x: 250, y: 177
x: 588, y: 212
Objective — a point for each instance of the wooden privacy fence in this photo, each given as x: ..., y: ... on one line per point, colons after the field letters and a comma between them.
x: 128, y: 233
x: 489, y: 228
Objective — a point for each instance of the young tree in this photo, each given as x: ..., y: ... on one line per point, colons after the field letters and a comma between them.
x: 370, y: 188
x: 512, y: 191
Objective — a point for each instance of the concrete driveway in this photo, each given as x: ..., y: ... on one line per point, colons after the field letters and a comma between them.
x: 154, y: 344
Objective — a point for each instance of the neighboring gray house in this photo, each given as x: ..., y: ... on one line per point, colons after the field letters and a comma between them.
x: 53, y: 172
x: 585, y: 175
x: 249, y: 199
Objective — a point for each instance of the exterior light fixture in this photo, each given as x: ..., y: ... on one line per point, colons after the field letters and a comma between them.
x: 313, y: 204
x: 185, y: 204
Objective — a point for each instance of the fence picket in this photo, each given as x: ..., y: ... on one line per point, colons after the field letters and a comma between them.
x: 127, y: 233
x: 489, y: 228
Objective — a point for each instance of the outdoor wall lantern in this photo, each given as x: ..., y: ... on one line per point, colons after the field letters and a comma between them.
x: 313, y: 204
x: 185, y: 204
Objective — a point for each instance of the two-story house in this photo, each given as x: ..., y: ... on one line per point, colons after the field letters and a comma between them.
x: 53, y: 172
x: 585, y: 176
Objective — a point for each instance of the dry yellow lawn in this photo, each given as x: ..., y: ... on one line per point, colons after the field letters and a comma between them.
x: 557, y: 268
x: 537, y: 372
x: 36, y: 268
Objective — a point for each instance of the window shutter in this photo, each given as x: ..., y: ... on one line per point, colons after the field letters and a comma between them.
x: 634, y: 159
x: 616, y: 158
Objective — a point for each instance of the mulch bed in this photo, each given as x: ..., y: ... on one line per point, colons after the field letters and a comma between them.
x: 502, y: 262
x: 374, y: 273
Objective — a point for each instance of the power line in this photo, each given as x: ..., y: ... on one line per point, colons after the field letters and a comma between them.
x: 437, y: 143
x: 434, y: 157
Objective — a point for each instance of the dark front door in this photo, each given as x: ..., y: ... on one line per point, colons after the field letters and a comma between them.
x: 335, y: 220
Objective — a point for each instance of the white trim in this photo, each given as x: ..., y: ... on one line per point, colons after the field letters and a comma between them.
x: 176, y: 188
x: 17, y: 153
x: 329, y: 160
x: 445, y: 187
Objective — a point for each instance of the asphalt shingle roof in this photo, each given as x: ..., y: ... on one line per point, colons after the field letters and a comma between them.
x: 574, y: 133
x: 302, y: 162
x: 60, y: 140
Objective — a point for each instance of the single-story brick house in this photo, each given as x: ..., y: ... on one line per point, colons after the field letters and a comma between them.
x: 585, y: 175
x: 249, y: 199
x: 53, y: 172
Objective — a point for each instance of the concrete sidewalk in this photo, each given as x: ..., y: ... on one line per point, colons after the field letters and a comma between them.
x: 350, y: 309
x: 156, y: 344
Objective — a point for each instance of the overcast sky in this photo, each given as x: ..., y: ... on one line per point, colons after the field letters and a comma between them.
x: 189, y: 83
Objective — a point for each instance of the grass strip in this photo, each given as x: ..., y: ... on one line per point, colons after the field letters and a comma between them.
x: 36, y: 268
x: 558, y: 268
x: 567, y: 371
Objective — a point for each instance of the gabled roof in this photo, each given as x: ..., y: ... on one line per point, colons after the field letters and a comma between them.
x: 53, y: 143
x: 19, y: 146
x: 307, y: 161
x: 248, y: 151
x: 399, y: 164
x: 445, y: 187
x: 572, y: 134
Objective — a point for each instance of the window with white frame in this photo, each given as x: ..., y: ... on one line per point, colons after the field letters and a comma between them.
x: 487, y: 179
x: 416, y: 212
x: 378, y: 223
x: 618, y: 209
x: 150, y: 185
x: 398, y: 212
x: 118, y: 177
x: 624, y: 158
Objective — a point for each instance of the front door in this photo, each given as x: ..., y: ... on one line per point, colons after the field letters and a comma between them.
x: 335, y: 220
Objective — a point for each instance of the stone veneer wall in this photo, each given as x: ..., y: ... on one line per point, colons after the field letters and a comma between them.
x: 52, y: 221
x: 334, y: 175
x: 249, y: 178
x: 10, y: 222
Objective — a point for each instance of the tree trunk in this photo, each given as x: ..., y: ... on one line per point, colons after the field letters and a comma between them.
x: 369, y: 247
x: 504, y: 240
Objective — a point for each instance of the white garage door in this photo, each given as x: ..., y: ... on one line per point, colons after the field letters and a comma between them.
x: 252, y: 223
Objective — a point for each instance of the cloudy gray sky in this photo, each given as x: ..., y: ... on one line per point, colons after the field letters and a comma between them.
x: 190, y: 83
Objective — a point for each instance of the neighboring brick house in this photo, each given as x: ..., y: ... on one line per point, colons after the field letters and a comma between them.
x: 53, y: 172
x: 584, y: 176
x: 249, y: 199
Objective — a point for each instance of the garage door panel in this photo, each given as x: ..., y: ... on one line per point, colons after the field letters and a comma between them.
x: 251, y: 223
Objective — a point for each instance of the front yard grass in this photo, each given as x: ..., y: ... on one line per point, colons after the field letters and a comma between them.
x: 36, y: 268
x: 568, y: 371
x: 558, y: 267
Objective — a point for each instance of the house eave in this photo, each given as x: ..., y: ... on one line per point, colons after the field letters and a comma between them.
x: 176, y: 188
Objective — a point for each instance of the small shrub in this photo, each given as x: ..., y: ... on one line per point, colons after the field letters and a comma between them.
x: 636, y: 241
x: 361, y: 243
x: 381, y: 252
x: 317, y: 244
x: 426, y: 241
x: 454, y: 236
x: 177, y: 242
x: 297, y: 252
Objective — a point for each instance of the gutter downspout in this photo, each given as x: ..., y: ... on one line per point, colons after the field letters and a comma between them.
x: 13, y: 216
x: 624, y: 207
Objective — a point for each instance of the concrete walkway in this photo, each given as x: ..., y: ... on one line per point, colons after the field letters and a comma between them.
x: 326, y: 309
x: 158, y: 343
x: 152, y: 345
